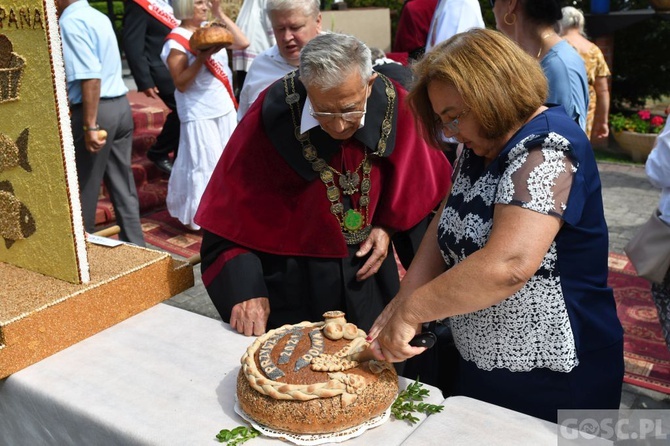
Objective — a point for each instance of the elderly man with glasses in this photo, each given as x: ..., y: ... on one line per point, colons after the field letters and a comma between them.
x: 299, y: 213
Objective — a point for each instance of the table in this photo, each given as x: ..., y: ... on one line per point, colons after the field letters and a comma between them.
x: 167, y: 376
x: 465, y: 422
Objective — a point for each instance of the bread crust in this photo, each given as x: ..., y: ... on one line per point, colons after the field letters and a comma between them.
x: 212, y: 34
x: 281, y: 394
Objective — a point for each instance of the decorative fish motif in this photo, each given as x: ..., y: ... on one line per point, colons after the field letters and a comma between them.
x: 13, y: 154
x: 16, y: 221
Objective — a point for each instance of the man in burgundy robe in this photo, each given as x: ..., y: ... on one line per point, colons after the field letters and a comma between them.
x: 299, y: 211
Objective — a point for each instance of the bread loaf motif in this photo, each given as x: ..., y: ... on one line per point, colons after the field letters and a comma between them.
x: 209, y: 35
x: 11, y: 70
x: 298, y: 378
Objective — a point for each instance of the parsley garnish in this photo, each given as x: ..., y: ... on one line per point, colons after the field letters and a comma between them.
x: 237, y: 436
x: 407, y: 403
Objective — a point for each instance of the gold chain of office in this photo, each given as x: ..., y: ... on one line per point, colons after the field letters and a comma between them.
x: 353, y: 223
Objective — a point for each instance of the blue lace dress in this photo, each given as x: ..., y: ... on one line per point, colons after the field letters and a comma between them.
x: 557, y: 342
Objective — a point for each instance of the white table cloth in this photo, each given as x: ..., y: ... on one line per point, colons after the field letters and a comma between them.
x: 162, y: 377
x: 467, y: 422
x: 167, y: 376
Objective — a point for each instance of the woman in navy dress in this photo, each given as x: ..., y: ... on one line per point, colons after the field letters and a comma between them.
x: 517, y: 261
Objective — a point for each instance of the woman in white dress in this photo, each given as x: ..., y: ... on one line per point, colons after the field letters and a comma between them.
x: 205, y: 104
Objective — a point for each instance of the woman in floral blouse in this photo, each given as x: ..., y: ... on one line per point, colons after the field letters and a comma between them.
x: 517, y: 261
x: 597, y: 72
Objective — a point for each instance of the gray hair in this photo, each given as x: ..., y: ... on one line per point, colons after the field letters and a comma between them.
x: 308, y: 7
x: 572, y: 18
x: 183, y: 9
x: 329, y: 57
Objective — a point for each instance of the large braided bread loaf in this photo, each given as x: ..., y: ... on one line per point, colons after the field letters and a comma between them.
x: 297, y: 378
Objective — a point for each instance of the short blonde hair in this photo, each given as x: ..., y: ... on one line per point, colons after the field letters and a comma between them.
x: 501, y: 84
x: 183, y: 9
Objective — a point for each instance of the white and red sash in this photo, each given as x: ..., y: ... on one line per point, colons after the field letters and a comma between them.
x: 161, y: 11
x: 214, y: 66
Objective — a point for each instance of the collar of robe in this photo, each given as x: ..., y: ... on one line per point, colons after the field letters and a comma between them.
x: 279, y: 126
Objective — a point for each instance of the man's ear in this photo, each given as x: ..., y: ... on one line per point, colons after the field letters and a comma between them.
x: 318, y: 23
x: 372, y: 81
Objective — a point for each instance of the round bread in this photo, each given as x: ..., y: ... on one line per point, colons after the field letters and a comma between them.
x: 212, y: 34
x: 294, y: 379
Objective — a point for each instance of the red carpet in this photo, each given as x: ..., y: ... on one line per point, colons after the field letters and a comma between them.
x: 165, y: 232
x: 646, y: 356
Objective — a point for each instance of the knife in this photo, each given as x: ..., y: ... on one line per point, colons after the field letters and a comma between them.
x: 426, y: 339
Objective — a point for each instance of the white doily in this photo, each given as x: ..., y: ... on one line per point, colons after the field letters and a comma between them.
x: 314, y: 439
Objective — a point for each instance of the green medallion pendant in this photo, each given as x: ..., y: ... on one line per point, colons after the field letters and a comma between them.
x: 353, y: 220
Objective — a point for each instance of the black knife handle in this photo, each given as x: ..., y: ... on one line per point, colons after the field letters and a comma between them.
x: 426, y: 339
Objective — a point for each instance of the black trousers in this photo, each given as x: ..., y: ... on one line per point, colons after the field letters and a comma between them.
x: 167, y: 140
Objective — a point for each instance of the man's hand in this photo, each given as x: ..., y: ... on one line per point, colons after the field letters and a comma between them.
x: 95, y: 140
x: 151, y: 92
x: 378, y: 241
x: 251, y: 316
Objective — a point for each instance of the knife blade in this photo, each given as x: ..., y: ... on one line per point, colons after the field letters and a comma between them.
x: 426, y: 339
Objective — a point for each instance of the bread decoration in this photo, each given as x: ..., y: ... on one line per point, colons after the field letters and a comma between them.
x: 6, y: 49
x: 299, y: 379
x: 209, y: 35
x: 11, y: 70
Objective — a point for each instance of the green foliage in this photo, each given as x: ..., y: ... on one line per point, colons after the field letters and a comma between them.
x: 117, y: 8
x: 407, y: 403
x: 237, y: 436
x: 640, y: 122
x: 117, y: 14
x: 641, y: 56
x: 641, y: 63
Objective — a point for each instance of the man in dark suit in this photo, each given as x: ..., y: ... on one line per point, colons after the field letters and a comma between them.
x: 145, y: 25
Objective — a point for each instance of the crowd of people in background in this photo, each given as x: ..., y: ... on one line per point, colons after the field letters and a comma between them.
x: 331, y: 162
x: 270, y: 35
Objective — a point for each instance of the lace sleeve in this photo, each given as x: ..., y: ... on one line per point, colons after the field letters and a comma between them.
x: 539, y: 176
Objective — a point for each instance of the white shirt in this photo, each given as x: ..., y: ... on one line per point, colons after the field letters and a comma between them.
x: 255, y: 24
x: 266, y: 68
x: 206, y: 97
x: 658, y: 170
x: 452, y: 17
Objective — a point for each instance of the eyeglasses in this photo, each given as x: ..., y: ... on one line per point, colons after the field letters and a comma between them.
x: 352, y: 116
x: 451, y: 126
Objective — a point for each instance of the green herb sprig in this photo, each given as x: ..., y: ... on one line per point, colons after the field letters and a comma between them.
x: 407, y: 403
x: 237, y: 436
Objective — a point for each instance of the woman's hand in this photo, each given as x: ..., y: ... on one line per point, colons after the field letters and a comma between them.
x: 392, y: 344
x: 383, y: 318
x: 378, y: 241
x: 204, y: 55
